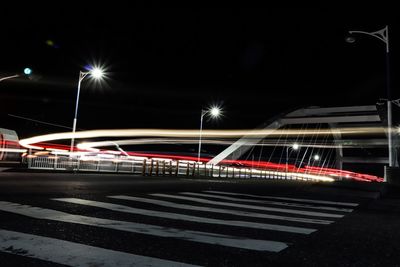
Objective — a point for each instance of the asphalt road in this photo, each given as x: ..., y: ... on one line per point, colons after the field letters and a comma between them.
x: 59, y: 219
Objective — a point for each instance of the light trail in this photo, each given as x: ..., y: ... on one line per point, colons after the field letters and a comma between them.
x: 256, y: 167
x: 28, y: 143
x: 175, y: 141
x: 12, y: 150
x: 172, y: 137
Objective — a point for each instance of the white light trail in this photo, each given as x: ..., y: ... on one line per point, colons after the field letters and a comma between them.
x: 28, y: 143
x: 15, y: 150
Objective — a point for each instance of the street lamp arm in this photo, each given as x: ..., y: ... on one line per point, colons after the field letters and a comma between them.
x: 205, y: 112
x: 382, y: 35
x: 82, y: 75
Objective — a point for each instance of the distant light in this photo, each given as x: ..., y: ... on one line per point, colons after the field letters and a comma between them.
x: 50, y: 42
x: 295, y: 146
x: 215, y: 112
x: 27, y: 71
x: 316, y: 157
x: 97, y: 73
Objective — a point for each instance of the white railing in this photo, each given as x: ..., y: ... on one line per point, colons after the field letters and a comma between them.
x: 151, y: 167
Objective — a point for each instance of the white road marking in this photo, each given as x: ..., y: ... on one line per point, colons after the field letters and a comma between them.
x: 221, y: 203
x: 73, y: 254
x: 223, y: 211
x: 350, y: 204
x: 302, y: 206
x: 146, y: 229
x: 183, y: 217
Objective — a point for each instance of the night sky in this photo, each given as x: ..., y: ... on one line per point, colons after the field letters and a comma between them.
x: 164, y: 65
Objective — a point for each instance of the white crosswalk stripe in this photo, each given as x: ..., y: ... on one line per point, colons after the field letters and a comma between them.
x: 177, y: 216
x: 147, y: 229
x: 228, y: 211
x: 73, y: 254
x: 349, y: 204
x: 292, y: 205
x: 254, y: 207
x: 222, y: 211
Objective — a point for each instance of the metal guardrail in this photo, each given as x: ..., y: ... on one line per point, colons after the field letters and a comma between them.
x: 151, y: 168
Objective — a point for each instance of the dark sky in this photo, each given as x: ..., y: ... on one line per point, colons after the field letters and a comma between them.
x: 165, y: 64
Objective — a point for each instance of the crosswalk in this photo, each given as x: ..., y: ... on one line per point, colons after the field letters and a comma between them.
x: 209, y: 220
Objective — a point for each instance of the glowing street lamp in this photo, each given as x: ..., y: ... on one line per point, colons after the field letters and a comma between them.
x: 27, y: 71
x: 214, y: 112
x: 96, y: 73
x: 295, y: 147
x: 315, y: 157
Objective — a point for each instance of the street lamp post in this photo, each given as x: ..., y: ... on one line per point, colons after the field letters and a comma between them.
x: 383, y: 35
x: 97, y: 74
x: 215, y: 112
x: 295, y: 146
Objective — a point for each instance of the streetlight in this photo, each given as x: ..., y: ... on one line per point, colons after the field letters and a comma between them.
x: 96, y: 73
x: 315, y: 157
x: 295, y: 146
x: 383, y: 35
x: 27, y: 72
x: 214, y: 112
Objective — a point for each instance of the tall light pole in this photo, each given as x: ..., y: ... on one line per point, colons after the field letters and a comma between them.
x: 295, y: 146
x: 95, y: 73
x: 214, y: 112
x: 383, y: 35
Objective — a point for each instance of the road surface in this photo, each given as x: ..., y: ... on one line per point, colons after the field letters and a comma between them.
x: 59, y: 219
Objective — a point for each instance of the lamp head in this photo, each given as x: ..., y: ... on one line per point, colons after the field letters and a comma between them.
x: 27, y: 71
x: 295, y: 146
x: 97, y: 73
x: 215, y: 112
